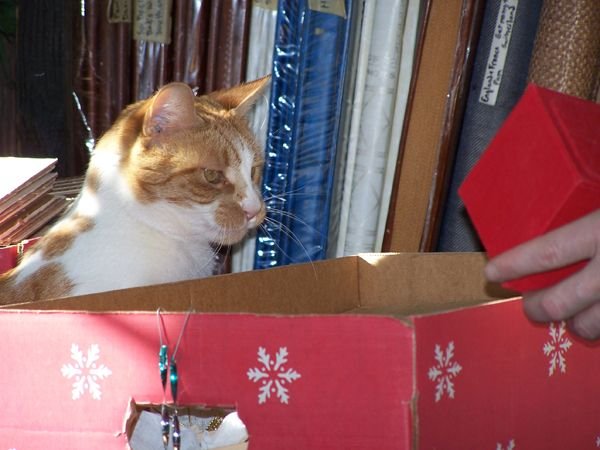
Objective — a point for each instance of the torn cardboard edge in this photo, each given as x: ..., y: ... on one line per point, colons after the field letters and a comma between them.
x: 136, y: 410
x: 397, y: 284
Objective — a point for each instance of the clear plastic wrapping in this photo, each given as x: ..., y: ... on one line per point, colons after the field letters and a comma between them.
x: 260, y: 60
x: 309, y: 63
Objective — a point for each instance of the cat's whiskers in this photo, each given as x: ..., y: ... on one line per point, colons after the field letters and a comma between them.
x: 216, y: 248
x: 277, y: 131
x: 294, y: 217
x: 285, y: 195
x: 221, y: 243
x: 270, y: 236
x: 288, y: 214
x: 289, y: 233
x: 280, y: 199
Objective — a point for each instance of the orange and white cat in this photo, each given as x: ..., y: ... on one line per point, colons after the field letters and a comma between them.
x: 175, y: 175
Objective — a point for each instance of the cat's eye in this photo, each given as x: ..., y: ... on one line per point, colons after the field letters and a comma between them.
x: 213, y: 176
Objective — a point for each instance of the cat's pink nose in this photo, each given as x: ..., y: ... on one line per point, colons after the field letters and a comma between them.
x: 251, y: 213
x: 251, y: 206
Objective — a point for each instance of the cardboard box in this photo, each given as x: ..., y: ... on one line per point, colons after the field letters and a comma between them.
x: 370, y: 352
x: 541, y: 171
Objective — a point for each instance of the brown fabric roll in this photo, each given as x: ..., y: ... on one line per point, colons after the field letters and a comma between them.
x: 566, y: 53
x: 180, y: 33
x: 150, y: 68
x: 122, y: 74
x: 214, y: 49
x: 88, y: 53
x: 190, y: 42
x: 103, y: 80
x: 8, y: 107
x: 227, y: 43
x: 112, y: 70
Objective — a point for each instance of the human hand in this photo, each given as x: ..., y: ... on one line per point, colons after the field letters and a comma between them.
x: 577, y: 297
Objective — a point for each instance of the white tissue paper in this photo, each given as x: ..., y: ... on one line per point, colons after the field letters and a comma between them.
x: 147, y: 435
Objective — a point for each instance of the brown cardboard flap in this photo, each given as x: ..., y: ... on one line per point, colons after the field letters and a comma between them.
x: 325, y: 287
x: 417, y: 283
x: 389, y: 284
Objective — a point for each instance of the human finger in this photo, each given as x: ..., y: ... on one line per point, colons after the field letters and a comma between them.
x: 567, y: 298
x: 571, y: 243
x: 587, y: 323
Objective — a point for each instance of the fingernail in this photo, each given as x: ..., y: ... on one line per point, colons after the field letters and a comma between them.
x: 491, y: 272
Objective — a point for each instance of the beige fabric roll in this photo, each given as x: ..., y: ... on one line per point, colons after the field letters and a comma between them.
x: 566, y: 54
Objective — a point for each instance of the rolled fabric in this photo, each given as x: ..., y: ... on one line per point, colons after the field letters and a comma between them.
x: 351, y: 108
x: 371, y: 150
x: 190, y: 42
x: 150, y: 68
x: 228, y: 40
x: 566, y: 53
x: 488, y: 105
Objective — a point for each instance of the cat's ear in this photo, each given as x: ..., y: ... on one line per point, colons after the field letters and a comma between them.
x: 172, y: 108
x: 240, y: 99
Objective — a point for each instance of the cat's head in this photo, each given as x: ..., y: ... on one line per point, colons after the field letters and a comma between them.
x: 193, y: 162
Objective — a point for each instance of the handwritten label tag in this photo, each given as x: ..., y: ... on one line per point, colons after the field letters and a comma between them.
x: 497, y: 57
x: 152, y: 21
x: 119, y: 11
x: 266, y: 4
x: 337, y: 7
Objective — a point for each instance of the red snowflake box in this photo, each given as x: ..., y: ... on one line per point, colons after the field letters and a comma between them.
x: 405, y: 351
x: 541, y: 171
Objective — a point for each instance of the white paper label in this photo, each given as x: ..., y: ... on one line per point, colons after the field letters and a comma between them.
x: 119, y: 11
x: 265, y: 4
x: 497, y: 57
x: 152, y: 21
x: 336, y: 7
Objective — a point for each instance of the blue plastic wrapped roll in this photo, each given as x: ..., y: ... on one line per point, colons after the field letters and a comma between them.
x: 309, y: 63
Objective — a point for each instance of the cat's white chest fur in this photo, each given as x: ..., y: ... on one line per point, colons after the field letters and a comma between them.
x: 137, y: 244
x: 132, y: 255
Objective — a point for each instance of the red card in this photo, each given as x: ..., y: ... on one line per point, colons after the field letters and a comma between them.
x: 541, y: 171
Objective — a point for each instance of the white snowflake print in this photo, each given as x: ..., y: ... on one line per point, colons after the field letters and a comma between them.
x: 273, y: 375
x: 598, y: 442
x: 510, y: 446
x: 86, y: 372
x: 557, y: 347
x: 444, y: 371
